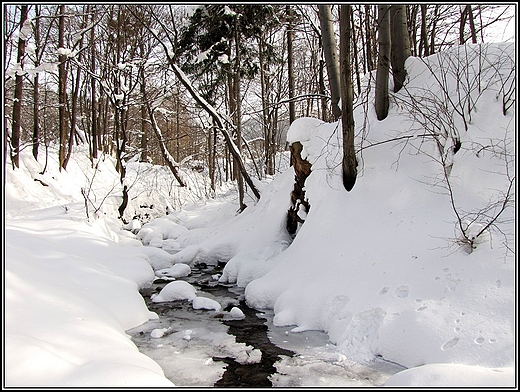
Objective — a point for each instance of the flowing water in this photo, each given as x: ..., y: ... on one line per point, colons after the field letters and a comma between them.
x: 212, y: 348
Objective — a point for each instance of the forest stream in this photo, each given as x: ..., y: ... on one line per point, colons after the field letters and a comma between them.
x: 211, y: 348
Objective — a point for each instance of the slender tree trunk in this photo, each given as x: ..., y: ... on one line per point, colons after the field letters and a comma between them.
x: 238, y: 116
x: 412, y: 31
x: 355, y: 50
x: 94, y: 121
x: 211, y: 155
x: 36, y: 87
x: 62, y: 91
x: 433, y: 32
x: 383, y: 63
x: 331, y: 57
x: 400, y: 44
x: 266, y: 126
x: 75, y: 95
x: 349, y: 164
x: 322, y: 90
x: 472, y: 24
x: 368, y: 39
x: 424, y: 32
x: 144, y: 131
x: 290, y: 65
x: 462, y: 25
x: 18, y: 92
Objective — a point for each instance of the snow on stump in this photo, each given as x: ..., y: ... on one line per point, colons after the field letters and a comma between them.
x: 175, y: 291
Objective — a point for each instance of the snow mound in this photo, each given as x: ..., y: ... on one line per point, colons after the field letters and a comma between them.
x: 175, y: 291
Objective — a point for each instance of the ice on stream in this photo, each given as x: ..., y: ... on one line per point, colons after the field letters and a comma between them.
x: 185, y: 339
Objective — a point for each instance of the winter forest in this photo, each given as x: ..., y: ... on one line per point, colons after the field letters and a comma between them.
x: 259, y: 195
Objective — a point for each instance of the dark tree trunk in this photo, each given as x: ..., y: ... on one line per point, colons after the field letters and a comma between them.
x: 62, y: 92
x: 368, y: 39
x: 18, y: 92
x: 290, y: 65
x: 355, y: 50
x: 472, y: 28
x: 94, y: 121
x: 36, y: 91
x: 400, y: 44
x: 383, y: 63
x: 424, y: 32
x: 240, y: 179
x: 349, y: 164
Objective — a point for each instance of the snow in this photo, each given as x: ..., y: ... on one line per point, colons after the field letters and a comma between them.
x: 383, y: 271
x: 173, y: 291
x: 206, y: 303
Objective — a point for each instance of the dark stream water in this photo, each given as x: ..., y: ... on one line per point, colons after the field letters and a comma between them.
x: 250, y: 330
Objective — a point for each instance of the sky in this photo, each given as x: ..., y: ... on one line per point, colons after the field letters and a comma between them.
x: 381, y: 272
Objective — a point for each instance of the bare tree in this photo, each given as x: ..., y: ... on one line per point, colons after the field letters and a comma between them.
x: 17, y: 104
x: 62, y: 89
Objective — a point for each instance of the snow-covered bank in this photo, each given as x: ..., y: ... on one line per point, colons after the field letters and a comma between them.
x: 70, y: 294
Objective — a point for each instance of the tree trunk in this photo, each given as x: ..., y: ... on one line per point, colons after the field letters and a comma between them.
x: 424, y: 32
x: 349, y: 164
x: 18, y: 92
x: 331, y: 57
x: 400, y: 44
x: 472, y: 29
x: 462, y: 25
x: 264, y: 86
x: 75, y: 95
x: 322, y: 90
x: 143, y: 157
x: 383, y: 63
x: 238, y: 117
x: 62, y: 91
x: 412, y: 23
x: 94, y: 121
x: 36, y: 87
x: 355, y: 50
x: 434, y: 29
x: 290, y: 65
x: 368, y: 39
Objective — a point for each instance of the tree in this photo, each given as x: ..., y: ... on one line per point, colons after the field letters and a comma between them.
x: 17, y: 104
x: 290, y: 64
x: 62, y: 90
x: 383, y: 62
x: 349, y: 164
x: 36, y: 93
x: 424, y: 46
x: 400, y: 43
x: 331, y: 57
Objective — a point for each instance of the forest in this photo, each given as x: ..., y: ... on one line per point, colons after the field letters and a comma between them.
x: 109, y: 76
x: 255, y: 195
